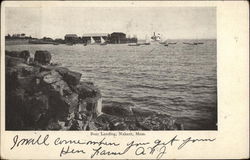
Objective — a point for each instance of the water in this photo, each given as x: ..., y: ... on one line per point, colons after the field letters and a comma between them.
x: 179, y: 80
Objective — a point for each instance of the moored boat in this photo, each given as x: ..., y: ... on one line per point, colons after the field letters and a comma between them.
x: 133, y: 44
x: 103, y: 42
x: 92, y: 41
x: 194, y: 43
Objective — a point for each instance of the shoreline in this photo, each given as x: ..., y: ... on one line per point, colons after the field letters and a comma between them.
x: 27, y: 41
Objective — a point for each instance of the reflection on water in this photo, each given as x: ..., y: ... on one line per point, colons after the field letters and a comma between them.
x: 179, y: 79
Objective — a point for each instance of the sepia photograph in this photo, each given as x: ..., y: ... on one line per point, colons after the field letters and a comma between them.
x: 124, y: 80
x: 105, y: 68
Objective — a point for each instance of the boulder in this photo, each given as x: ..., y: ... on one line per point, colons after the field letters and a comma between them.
x: 42, y: 57
x: 28, y: 70
x: 20, y: 66
x: 142, y: 112
x: 23, y: 54
x: 85, y: 90
x: 62, y: 100
x: 72, y: 78
x: 61, y: 70
x: 51, y: 77
x: 118, y: 109
x: 108, y: 122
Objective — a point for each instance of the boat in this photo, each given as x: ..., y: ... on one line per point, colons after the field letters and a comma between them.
x: 194, y: 43
x: 103, y: 42
x: 172, y: 43
x: 189, y: 43
x: 200, y: 43
x: 155, y: 39
x: 133, y: 44
x: 92, y: 41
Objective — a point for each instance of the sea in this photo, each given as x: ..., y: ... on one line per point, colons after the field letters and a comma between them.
x: 179, y: 79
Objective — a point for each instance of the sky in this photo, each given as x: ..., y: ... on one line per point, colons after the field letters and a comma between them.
x: 170, y: 22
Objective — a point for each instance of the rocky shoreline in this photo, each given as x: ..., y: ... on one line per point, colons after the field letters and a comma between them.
x: 43, y: 96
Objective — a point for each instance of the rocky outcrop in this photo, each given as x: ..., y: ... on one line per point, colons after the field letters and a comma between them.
x: 41, y: 96
x: 129, y: 117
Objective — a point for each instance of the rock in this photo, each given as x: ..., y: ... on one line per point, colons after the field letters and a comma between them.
x: 61, y: 106
x: 12, y: 53
x: 41, y: 96
x: 52, y: 77
x: 23, y: 54
x: 118, y: 109
x: 75, y: 126
x: 110, y: 122
x: 62, y: 70
x: 13, y: 61
x: 72, y: 78
x: 37, y: 105
x: 53, y: 125
x: 62, y: 99
x: 42, y: 57
x: 11, y: 79
x: 142, y: 112
x: 26, y: 83
x: 19, y: 65
x: 92, y: 127
x: 90, y: 105
x: 28, y: 70
x: 86, y: 90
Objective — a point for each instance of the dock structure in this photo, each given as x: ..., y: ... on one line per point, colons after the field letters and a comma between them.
x: 94, y: 37
x: 71, y: 38
x: 118, y: 37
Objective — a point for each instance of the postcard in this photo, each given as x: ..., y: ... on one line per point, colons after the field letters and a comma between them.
x: 124, y: 80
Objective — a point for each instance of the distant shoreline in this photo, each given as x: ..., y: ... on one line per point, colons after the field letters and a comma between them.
x: 17, y: 42
x: 26, y: 41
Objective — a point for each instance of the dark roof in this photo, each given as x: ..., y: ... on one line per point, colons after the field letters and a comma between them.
x: 70, y: 35
x: 118, y: 33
